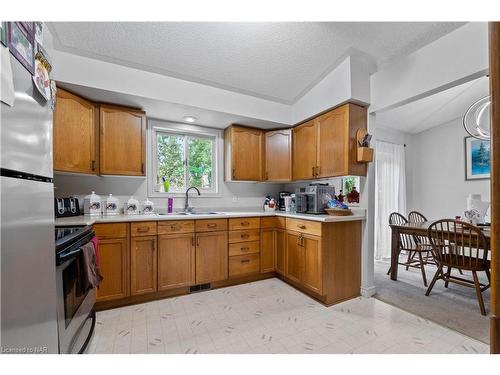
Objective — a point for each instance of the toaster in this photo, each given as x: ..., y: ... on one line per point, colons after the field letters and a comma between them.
x: 64, y: 207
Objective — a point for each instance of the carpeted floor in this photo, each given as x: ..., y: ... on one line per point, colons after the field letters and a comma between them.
x: 455, y: 307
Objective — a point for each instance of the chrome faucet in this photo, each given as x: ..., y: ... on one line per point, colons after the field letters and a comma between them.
x: 187, y: 208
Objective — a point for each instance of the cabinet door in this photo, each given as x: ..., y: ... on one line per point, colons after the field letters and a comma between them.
x: 211, y: 257
x: 333, y: 143
x: 280, y: 238
x: 278, y: 155
x: 246, y: 154
x: 176, y: 261
x: 75, y: 134
x: 113, y: 261
x: 304, y: 151
x: 143, y: 265
x: 311, y: 273
x: 123, y: 137
x: 267, y: 250
x: 293, y: 256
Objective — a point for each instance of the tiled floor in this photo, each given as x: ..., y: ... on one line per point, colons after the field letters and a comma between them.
x: 270, y: 317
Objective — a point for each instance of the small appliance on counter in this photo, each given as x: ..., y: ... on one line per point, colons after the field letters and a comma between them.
x: 281, y: 199
x: 148, y: 207
x: 313, y: 199
x: 92, y: 204
x: 111, y: 206
x: 65, y: 207
x: 131, y: 207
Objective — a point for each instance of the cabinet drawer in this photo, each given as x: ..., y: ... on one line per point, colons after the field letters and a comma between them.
x: 210, y: 225
x: 244, y: 223
x: 177, y: 226
x: 144, y: 228
x: 244, y: 264
x: 115, y: 230
x: 273, y: 222
x: 304, y: 226
x: 243, y: 248
x: 244, y: 235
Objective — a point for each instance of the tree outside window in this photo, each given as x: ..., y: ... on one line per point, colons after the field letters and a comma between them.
x: 184, y: 161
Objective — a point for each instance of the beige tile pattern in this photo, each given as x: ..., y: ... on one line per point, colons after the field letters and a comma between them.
x: 270, y: 317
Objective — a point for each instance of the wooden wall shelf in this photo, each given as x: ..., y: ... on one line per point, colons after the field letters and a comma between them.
x: 364, y: 154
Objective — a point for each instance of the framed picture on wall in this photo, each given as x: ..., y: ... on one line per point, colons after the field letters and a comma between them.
x: 477, y: 159
x: 21, y: 46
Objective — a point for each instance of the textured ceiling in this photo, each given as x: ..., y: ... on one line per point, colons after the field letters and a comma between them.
x: 436, y: 109
x: 275, y: 61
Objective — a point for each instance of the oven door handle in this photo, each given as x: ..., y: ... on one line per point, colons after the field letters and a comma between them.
x: 69, y: 255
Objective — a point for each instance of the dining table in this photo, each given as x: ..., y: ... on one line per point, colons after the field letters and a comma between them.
x: 413, y: 229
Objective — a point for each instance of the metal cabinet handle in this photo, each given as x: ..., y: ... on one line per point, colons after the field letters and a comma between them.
x: 212, y: 225
x: 143, y: 229
x: 245, y: 223
x: 245, y: 248
x: 92, y: 165
x: 197, y: 241
x: 142, y: 167
x: 233, y: 174
x: 245, y: 235
x: 192, y: 241
x: 313, y: 169
x: 245, y: 261
x: 301, y: 226
x: 317, y: 170
x: 175, y: 227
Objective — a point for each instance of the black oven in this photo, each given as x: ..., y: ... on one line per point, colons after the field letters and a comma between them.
x: 75, y: 302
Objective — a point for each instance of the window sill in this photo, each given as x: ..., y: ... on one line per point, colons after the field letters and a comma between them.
x: 183, y: 195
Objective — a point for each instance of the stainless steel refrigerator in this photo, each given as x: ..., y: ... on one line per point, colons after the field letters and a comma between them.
x: 28, y: 271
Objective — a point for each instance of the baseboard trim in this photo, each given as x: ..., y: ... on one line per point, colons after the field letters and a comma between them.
x: 368, y: 292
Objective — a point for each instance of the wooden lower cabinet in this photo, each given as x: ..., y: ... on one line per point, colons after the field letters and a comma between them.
x: 143, y: 265
x: 114, y: 265
x: 211, y: 257
x: 311, y: 276
x: 267, y: 250
x: 280, y: 244
x: 176, y: 261
x: 303, y: 260
x: 293, y: 256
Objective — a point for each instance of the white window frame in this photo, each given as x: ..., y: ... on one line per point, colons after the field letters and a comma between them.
x: 156, y: 127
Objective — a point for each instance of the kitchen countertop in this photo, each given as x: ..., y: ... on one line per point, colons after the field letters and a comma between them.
x: 358, y: 214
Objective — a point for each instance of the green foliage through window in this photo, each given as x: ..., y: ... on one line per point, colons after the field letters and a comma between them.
x: 184, y: 161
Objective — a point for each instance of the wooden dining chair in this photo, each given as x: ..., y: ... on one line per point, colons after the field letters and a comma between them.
x: 417, y: 217
x: 408, y: 243
x: 460, y: 245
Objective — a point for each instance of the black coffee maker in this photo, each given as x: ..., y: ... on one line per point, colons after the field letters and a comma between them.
x: 281, y: 199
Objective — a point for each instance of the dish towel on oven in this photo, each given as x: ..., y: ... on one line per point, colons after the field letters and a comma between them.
x: 91, y: 272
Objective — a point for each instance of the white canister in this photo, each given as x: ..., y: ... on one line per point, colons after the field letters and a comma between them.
x: 111, y: 205
x: 92, y: 204
x: 148, y: 207
x: 131, y: 207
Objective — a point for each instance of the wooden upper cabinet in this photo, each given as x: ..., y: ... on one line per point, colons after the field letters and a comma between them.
x: 243, y: 153
x: 75, y: 134
x: 278, y: 155
x: 304, y: 150
x: 336, y: 151
x: 123, y: 141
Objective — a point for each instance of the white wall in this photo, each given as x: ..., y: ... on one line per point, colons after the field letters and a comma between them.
x: 457, y: 57
x: 436, y: 184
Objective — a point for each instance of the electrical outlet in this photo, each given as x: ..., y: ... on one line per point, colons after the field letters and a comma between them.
x: 235, y: 198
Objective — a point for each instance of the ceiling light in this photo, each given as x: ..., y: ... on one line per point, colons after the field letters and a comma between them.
x: 190, y: 119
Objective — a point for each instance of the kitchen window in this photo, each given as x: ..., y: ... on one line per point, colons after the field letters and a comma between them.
x: 184, y: 157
